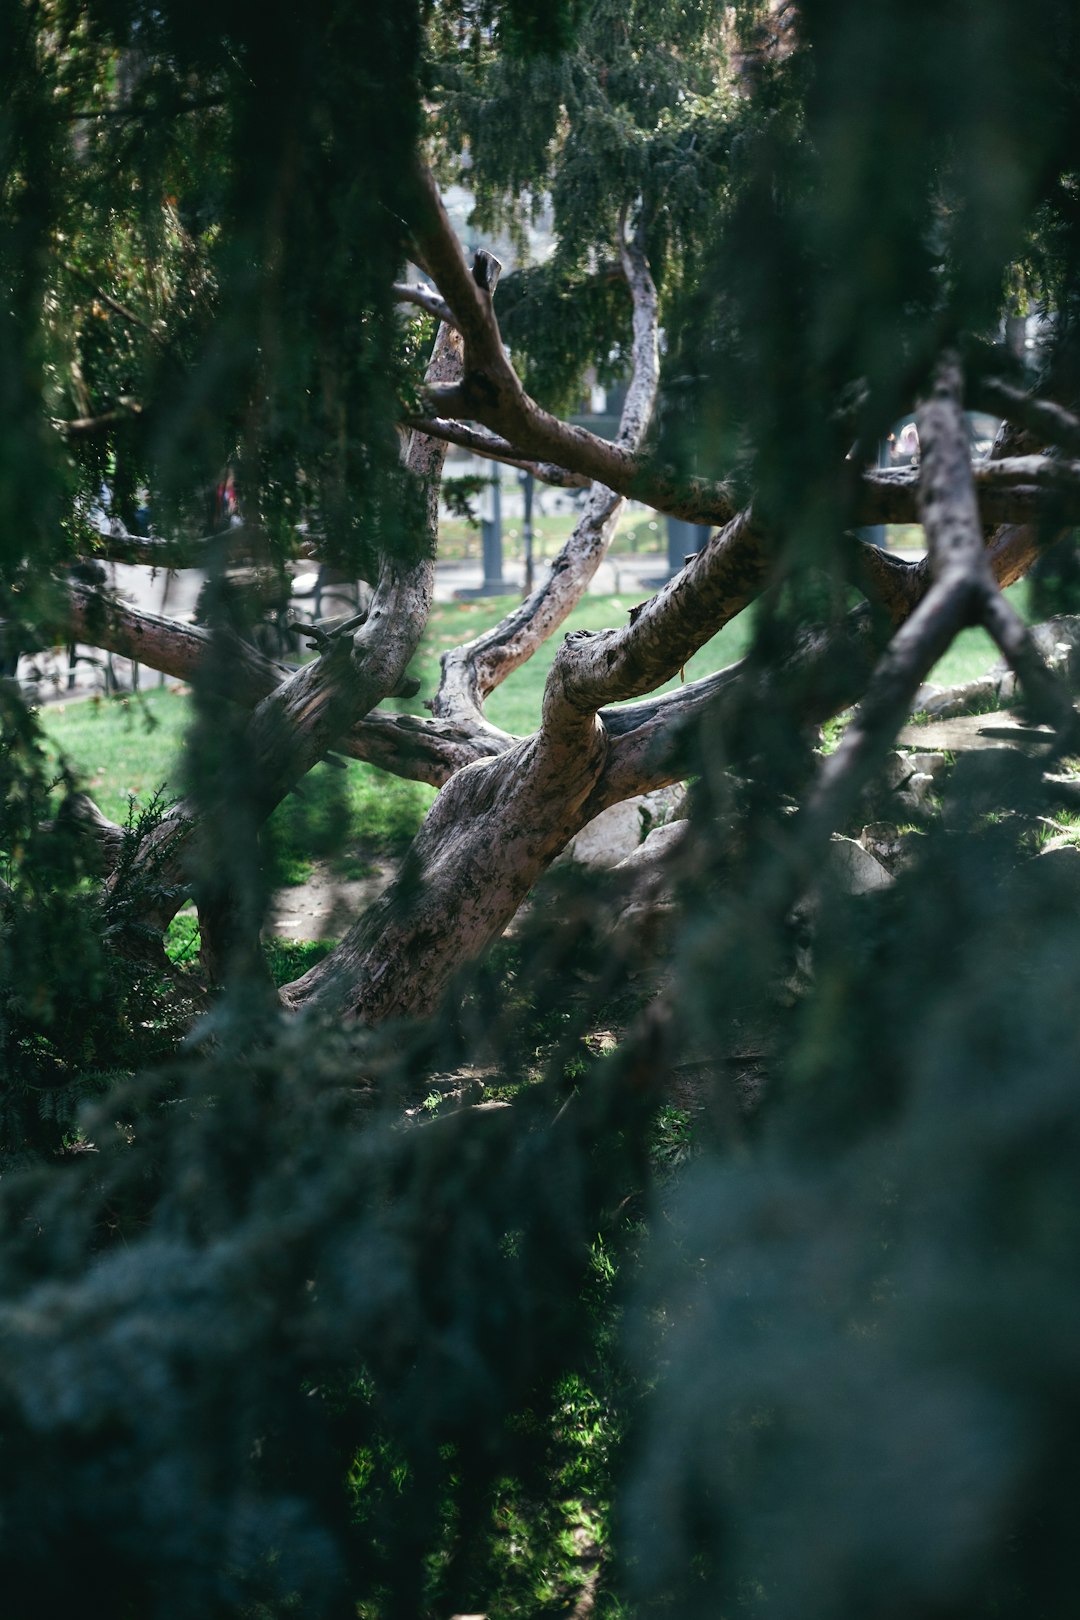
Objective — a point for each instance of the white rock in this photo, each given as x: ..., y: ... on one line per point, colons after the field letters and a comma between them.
x: 854, y: 868
x: 896, y: 770
x: 926, y: 764
x: 616, y: 833
x: 659, y: 844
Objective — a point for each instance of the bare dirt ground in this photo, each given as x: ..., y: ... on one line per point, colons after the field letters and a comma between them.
x: 324, y: 906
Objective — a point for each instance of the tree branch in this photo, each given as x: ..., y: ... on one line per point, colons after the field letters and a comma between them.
x: 494, y: 448
x: 183, y: 104
x: 115, y: 305
x: 1047, y: 422
x: 497, y: 825
x: 1011, y: 490
x: 830, y: 669
x: 490, y: 391
x: 407, y: 745
x: 888, y: 581
x: 243, y: 540
x: 88, y: 427
x: 1015, y: 489
x: 424, y: 298
x: 964, y: 591
x: 164, y: 644
x: 607, y: 666
x: 303, y: 716
x: 471, y: 672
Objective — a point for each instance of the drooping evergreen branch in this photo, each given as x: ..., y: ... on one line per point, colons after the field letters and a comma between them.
x: 107, y: 299
x: 303, y: 716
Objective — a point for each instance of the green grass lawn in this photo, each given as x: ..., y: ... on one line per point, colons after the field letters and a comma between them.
x: 129, y: 747
x: 516, y: 704
x: 638, y: 532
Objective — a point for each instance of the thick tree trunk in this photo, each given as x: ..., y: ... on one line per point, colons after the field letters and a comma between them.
x: 509, y: 806
x: 492, y: 832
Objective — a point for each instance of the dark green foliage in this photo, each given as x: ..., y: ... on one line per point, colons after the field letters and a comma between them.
x: 460, y: 493
x: 885, y: 179
x: 229, y: 186
x: 1055, y: 580
x: 82, y: 992
x: 255, y: 1280
x: 299, y: 1330
x: 637, y: 115
x: 870, y: 1304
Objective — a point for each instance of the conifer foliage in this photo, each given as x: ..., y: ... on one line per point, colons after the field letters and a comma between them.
x: 707, y: 1243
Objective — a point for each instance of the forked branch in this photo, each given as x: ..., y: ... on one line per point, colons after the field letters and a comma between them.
x: 964, y: 591
x: 471, y: 672
x: 490, y: 391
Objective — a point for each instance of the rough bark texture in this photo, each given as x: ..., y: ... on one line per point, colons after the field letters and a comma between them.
x: 471, y: 672
x: 168, y: 645
x: 492, y: 832
x: 508, y: 806
x: 964, y: 590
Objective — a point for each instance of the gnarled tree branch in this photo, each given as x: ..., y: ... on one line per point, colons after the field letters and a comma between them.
x: 471, y: 672
x: 490, y: 391
x: 1015, y: 489
x: 1046, y: 421
x: 494, y: 448
x: 964, y: 590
